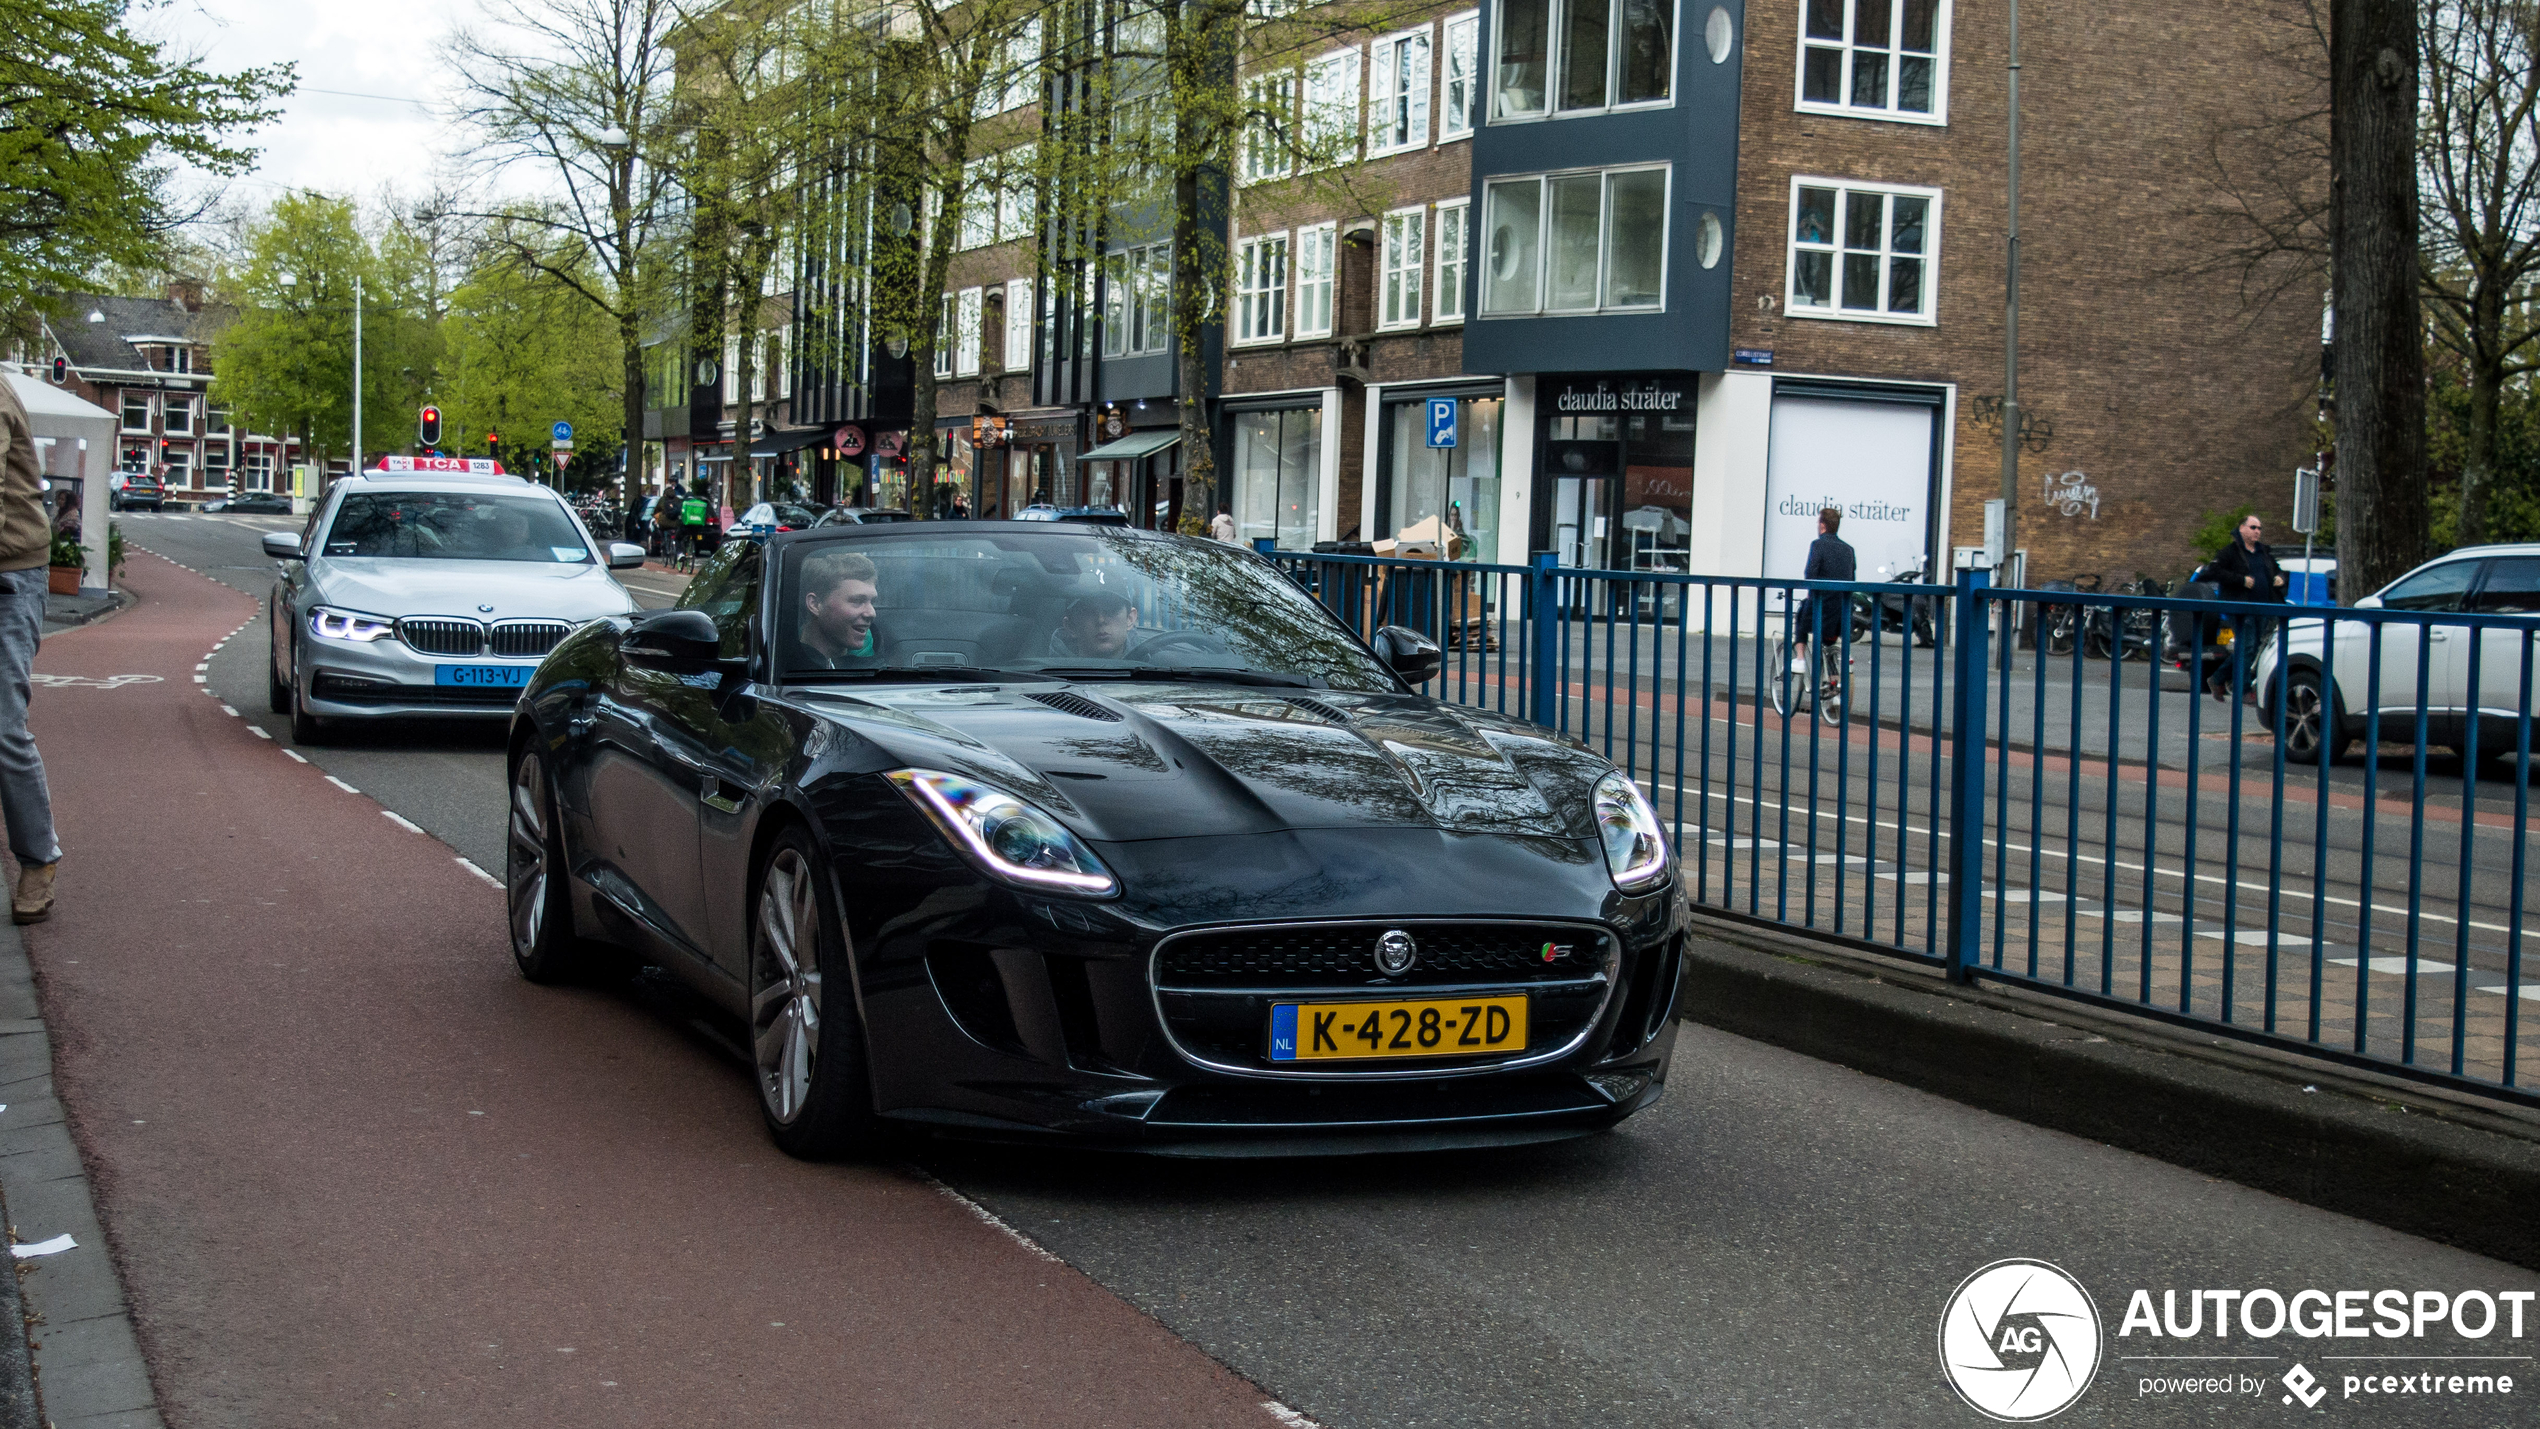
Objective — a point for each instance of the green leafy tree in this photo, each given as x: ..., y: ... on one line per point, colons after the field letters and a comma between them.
x: 93, y: 118
x: 286, y: 364
x: 523, y: 351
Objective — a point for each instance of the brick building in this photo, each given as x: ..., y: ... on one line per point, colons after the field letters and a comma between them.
x: 149, y: 360
x: 1646, y: 285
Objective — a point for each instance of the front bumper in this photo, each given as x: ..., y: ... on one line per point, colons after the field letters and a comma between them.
x: 383, y: 679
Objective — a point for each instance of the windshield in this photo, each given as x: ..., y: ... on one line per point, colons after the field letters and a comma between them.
x: 454, y: 526
x: 1074, y: 602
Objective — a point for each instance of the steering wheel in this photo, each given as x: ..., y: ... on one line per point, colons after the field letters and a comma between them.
x: 1174, y: 639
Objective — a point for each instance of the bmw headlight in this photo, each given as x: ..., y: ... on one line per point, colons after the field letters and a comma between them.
x: 349, y: 625
x: 1005, y: 836
x: 1635, y: 845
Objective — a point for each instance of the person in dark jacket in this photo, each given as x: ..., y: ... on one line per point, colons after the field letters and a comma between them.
x: 2245, y: 570
x: 1828, y: 613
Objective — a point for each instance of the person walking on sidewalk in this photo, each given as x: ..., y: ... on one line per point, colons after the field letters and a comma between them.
x: 26, y: 540
x: 2246, y: 570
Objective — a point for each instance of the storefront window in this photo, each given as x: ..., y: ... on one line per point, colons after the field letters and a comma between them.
x: 1459, y: 483
x: 1618, y: 455
x: 1279, y: 476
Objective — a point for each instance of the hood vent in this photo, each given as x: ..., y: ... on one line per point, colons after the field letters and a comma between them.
x: 1318, y: 709
x: 1070, y: 702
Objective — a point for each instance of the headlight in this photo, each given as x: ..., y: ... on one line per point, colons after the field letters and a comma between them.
x: 1005, y: 836
x: 349, y: 625
x: 1635, y: 846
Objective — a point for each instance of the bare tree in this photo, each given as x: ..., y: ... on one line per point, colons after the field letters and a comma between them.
x: 573, y: 91
x: 2479, y: 155
x: 2379, y: 348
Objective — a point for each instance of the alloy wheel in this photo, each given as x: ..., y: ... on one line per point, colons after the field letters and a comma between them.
x: 2302, y: 719
x: 785, y: 986
x: 526, y: 871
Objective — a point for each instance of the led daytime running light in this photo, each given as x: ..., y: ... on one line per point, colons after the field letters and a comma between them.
x: 969, y: 812
x: 1635, y: 844
x: 346, y: 625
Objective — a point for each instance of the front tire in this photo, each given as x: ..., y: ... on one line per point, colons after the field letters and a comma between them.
x: 806, y: 1035
x: 544, y: 947
x: 305, y: 728
x: 277, y: 690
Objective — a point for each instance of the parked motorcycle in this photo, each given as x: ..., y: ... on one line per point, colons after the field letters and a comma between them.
x: 1895, y: 610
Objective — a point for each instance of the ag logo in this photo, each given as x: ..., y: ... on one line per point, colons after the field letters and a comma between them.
x: 2019, y: 1341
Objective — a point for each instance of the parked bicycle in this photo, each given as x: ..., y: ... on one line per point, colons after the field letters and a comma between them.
x: 2124, y: 633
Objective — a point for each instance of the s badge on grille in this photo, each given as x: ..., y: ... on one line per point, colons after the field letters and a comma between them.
x: 1396, y: 952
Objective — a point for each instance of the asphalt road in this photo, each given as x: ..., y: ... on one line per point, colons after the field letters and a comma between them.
x: 1772, y: 1245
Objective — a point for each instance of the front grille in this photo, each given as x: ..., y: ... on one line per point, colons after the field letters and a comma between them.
x: 525, y: 637
x: 1344, y: 955
x: 441, y: 636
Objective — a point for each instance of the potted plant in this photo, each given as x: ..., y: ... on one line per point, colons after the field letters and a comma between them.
x: 68, y: 561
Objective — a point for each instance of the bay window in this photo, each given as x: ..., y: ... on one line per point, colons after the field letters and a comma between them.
x: 1575, y: 243
x: 1580, y: 56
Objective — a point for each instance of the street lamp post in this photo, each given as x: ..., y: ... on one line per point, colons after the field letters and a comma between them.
x: 2011, y: 340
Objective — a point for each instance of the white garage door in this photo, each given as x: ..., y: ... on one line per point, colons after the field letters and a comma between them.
x: 1872, y: 459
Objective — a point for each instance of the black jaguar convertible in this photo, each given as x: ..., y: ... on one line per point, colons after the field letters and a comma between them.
x: 1017, y: 830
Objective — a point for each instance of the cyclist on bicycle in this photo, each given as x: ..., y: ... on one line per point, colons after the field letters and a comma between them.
x: 696, y: 526
x: 1828, y: 613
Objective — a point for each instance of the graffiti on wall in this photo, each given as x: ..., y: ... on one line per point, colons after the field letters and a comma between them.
x: 2071, y: 494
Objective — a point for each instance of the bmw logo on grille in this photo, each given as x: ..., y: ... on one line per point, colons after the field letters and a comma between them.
x: 1396, y: 952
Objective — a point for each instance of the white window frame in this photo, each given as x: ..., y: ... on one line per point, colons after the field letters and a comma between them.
x: 1406, y: 109
x: 1017, y: 210
x: 1268, y: 156
x: 968, y: 305
x: 1332, y: 111
x: 1895, y: 52
x: 1261, y: 289
x: 1845, y: 188
x: 124, y: 413
x: 173, y: 409
x: 944, y: 338
x: 1604, y: 238
x: 1446, y: 298
x: 1018, y: 324
x: 1138, y: 297
x: 1403, y: 236
x: 1553, y: 59
x: 1316, y: 261
x: 1469, y: 26
x: 978, y: 224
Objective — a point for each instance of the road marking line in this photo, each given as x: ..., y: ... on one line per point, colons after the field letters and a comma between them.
x: 258, y: 731
x: 206, y: 665
x: 340, y: 784
x: 988, y: 1218
x: 2530, y: 990
x: 401, y: 821
x: 230, y: 710
x: 200, y: 679
x: 470, y: 866
x: 1287, y: 1416
x: 2393, y: 964
x: 295, y: 754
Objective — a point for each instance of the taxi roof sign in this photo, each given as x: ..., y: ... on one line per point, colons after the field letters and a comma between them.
x: 469, y: 465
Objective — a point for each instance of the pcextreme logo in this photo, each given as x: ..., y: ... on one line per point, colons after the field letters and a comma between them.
x: 2019, y: 1341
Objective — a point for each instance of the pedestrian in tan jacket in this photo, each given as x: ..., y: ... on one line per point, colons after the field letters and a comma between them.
x: 26, y: 541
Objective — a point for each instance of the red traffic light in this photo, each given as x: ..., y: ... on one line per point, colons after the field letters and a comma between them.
x: 61, y: 370
x: 430, y: 428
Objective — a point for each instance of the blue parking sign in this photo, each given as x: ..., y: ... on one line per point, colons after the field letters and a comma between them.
x: 1441, y: 421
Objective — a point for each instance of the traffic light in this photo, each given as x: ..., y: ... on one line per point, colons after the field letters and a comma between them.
x: 61, y: 370
x: 431, y: 427
x: 494, y: 445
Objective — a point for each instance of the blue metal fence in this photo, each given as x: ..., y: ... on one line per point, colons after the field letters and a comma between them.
x: 1884, y: 765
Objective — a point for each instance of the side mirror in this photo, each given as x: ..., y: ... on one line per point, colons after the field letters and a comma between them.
x: 284, y: 546
x: 2370, y: 602
x: 1413, y: 656
x: 682, y: 642
x: 625, y: 554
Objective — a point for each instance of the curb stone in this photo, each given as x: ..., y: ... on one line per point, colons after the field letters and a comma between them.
x: 79, y: 1342
x: 2423, y: 1160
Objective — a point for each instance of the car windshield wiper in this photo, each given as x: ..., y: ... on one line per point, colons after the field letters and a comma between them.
x: 917, y: 674
x: 1178, y: 672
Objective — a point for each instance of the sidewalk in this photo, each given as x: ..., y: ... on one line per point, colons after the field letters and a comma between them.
x: 354, y: 1170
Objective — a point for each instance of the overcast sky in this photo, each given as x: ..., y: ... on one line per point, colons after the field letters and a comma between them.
x: 328, y: 138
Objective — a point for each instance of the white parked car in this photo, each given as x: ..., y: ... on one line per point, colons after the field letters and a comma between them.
x: 430, y: 595
x: 2327, y: 678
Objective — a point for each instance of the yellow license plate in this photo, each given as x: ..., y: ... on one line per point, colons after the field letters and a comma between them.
x: 1439, y: 1027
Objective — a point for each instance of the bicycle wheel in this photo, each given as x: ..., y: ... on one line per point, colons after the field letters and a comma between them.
x: 1790, y: 680
x: 1831, y: 700
x: 2059, y: 629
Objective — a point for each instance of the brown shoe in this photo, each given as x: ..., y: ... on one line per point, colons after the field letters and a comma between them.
x: 34, y: 900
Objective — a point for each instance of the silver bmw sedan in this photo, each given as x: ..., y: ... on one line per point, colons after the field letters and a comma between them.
x: 429, y: 595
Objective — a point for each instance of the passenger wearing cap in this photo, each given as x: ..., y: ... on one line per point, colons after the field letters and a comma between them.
x: 1098, y: 624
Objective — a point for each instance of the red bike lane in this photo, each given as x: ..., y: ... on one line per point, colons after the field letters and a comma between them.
x: 356, y: 1172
